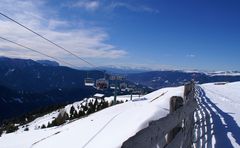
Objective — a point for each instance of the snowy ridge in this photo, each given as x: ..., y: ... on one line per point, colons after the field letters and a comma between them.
x: 224, y: 73
x: 214, y: 73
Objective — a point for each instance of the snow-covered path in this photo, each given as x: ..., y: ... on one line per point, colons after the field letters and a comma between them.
x: 217, y: 117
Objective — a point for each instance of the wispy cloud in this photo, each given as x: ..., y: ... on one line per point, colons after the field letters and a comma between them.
x: 131, y: 7
x: 110, y: 5
x: 86, y: 4
x: 84, y: 41
x: 190, y: 56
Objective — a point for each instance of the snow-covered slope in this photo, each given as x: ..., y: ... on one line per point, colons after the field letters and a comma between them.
x: 48, y: 118
x: 218, y: 115
x: 107, y: 128
x: 224, y: 73
x: 217, y: 121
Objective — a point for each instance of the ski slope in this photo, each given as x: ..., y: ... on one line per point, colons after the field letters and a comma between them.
x: 107, y: 128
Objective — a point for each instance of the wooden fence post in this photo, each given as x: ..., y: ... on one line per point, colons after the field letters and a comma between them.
x: 189, y: 92
x: 175, y: 103
x: 178, y: 125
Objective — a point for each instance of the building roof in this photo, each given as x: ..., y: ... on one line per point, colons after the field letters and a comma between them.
x: 99, y: 95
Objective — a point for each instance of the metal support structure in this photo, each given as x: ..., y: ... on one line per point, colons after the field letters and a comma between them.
x: 115, y: 78
x: 131, y: 95
x: 115, y: 93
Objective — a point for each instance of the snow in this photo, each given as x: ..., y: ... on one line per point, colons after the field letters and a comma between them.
x: 8, y: 72
x: 218, y: 116
x: 107, y: 128
x: 217, y: 121
x: 123, y: 98
x: 224, y: 73
x: 214, y: 73
x: 99, y: 95
x: 18, y: 100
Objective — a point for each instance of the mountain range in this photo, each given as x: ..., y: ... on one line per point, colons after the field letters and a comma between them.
x: 170, y: 78
x: 27, y: 85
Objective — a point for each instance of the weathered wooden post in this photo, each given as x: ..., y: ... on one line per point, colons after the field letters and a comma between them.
x: 186, y: 124
x: 189, y: 93
x: 175, y: 103
x: 177, y: 125
x: 187, y: 90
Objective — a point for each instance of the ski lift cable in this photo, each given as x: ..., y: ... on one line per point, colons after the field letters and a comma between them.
x: 36, y: 51
x: 48, y: 40
x: 55, y: 44
x: 87, y: 81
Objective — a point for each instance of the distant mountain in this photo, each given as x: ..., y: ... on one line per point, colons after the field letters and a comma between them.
x: 168, y: 78
x: 48, y: 63
x: 16, y: 103
x: 27, y: 85
x: 31, y: 76
x: 124, y: 69
x: 224, y: 73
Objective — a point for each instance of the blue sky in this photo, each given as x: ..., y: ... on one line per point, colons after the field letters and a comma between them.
x: 171, y: 34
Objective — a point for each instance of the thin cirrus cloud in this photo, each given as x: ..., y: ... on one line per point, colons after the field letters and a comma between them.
x: 135, y: 8
x: 190, y: 56
x: 108, y: 5
x: 88, y: 5
x: 83, y: 41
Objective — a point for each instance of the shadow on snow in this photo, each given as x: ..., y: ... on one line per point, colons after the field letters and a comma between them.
x: 210, y: 111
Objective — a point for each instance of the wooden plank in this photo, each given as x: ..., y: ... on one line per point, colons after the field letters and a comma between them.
x: 177, y: 141
x: 158, y: 96
x: 157, y: 130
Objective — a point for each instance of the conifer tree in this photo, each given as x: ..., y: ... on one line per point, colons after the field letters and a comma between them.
x: 26, y: 129
x: 11, y: 128
x: 81, y: 113
x: 72, y: 112
x: 95, y: 105
x: 61, y: 118
x: 43, y: 126
x: 49, y: 125
x: 90, y: 108
x: 85, y: 108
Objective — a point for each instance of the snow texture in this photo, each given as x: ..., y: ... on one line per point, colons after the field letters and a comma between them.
x: 217, y: 121
x: 218, y: 117
x: 107, y: 128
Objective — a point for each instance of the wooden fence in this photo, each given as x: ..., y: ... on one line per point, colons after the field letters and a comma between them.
x: 173, y: 131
